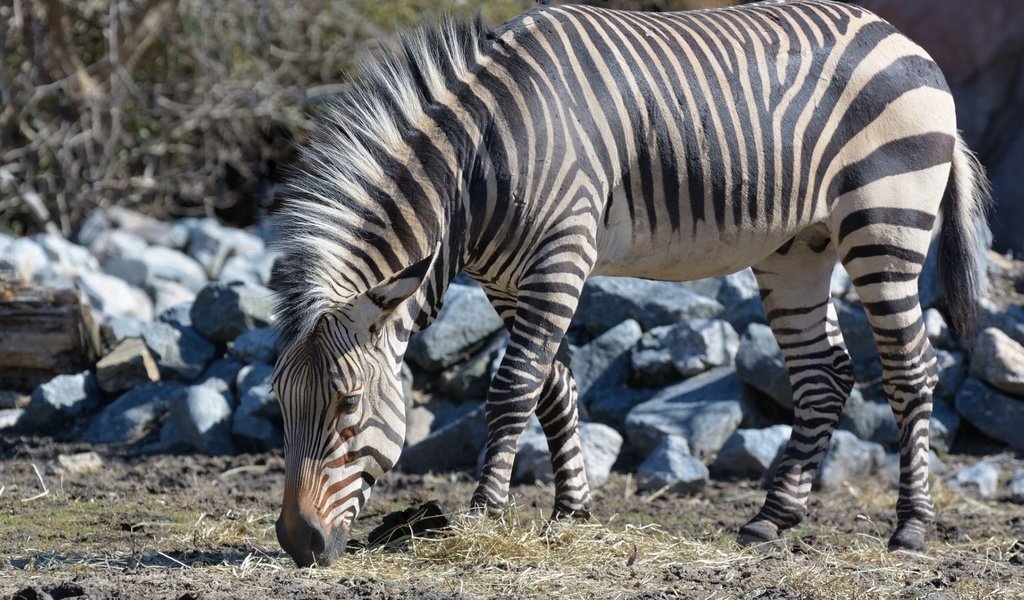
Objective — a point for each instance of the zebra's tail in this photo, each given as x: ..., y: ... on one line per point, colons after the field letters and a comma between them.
x: 961, y: 266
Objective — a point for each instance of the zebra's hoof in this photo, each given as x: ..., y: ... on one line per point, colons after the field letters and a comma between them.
x: 757, y: 532
x: 907, y: 538
x: 569, y: 514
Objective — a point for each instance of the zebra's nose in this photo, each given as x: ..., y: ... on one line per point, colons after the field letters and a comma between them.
x: 302, y: 537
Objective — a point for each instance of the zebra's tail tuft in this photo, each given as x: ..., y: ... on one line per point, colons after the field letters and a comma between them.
x: 961, y: 265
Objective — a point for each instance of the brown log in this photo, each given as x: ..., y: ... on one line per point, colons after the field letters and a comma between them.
x: 43, y: 332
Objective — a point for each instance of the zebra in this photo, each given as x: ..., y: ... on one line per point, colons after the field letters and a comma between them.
x: 575, y: 141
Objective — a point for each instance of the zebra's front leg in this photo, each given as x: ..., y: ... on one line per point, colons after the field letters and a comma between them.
x: 794, y: 286
x: 559, y: 416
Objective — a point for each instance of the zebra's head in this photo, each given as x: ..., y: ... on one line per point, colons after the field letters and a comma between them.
x: 344, y: 416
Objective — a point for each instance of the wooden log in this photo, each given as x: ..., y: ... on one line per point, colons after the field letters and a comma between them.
x: 43, y: 332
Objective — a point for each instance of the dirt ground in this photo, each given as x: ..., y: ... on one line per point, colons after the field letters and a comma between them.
x: 200, y: 527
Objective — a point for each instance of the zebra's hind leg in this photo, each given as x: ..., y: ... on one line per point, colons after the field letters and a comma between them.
x: 795, y: 284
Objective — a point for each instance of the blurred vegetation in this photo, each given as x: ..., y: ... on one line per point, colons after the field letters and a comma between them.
x: 181, y: 107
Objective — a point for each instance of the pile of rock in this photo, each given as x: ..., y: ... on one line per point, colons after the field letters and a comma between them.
x: 677, y: 381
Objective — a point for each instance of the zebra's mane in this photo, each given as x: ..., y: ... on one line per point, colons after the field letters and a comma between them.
x: 328, y: 203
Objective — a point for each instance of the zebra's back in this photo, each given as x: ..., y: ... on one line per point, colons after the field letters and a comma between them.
x: 697, y: 131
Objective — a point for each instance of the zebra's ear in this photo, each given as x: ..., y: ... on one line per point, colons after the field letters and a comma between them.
x: 376, y: 305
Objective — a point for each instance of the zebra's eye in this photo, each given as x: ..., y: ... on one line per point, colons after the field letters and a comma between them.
x: 348, y: 402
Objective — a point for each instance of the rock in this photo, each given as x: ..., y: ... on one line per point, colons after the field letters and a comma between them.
x: 63, y: 397
x: 465, y: 321
x: 254, y: 268
x: 405, y: 375
x: 167, y: 264
x: 1015, y: 488
x: 252, y: 375
x: 611, y: 405
x: 179, y: 315
x: 869, y: 419
x: 221, y: 376
x: 601, y: 445
x: 860, y: 340
x: 419, y: 420
x: 999, y: 361
x: 115, y: 244
x: 470, y: 380
x: 222, y: 312
x: 81, y: 463
x: 840, y: 287
x: 210, y: 244
x: 604, y: 362
x: 892, y: 467
x: 260, y: 400
x: 180, y: 352
x: 759, y: 364
x: 128, y: 365
x: 113, y: 297
x: 256, y: 422
x: 705, y: 410
x: 939, y: 333
x: 848, y: 458
x: 945, y: 422
x: 454, y: 446
x: 750, y: 452
x: 133, y: 415
x: 168, y: 294
x: 737, y: 292
x: 979, y: 479
x: 952, y: 372
x: 255, y: 345
x: 608, y: 301
x: 1009, y: 321
x: 125, y: 327
x: 9, y: 417
x: 671, y: 466
x: 70, y: 258
x: 683, y: 349
x: 997, y: 415
x: 24, y: 257
x: 202, y: 421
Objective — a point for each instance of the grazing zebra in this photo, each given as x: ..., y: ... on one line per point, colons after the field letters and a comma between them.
x: 575, y: 141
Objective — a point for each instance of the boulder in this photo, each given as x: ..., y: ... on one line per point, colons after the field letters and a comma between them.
x: 670, y: 466
x: 601, y: 445
x: 999, y: 361
x: 608, y: 301
x: 759, y: 364
x: 128, y: 365
x: 750, y: 452
x: 111, y: 296
x: 10, y: 417
x: 24, y: 257
x: 869, y: 419
x: 979, y: 479
x: 180, y: 351
x: 470, y: 380
x: 611, y: 405
x: 705, y: 410
x: 69, y: 258
x: 114, y: 244
x: 939, y: 333
x: 454, y: 446
x: 63, y: 397
x: 211, y: 243
x: 168, y: 294
x: 465, y: 321
x: 252, y: 375
x: 737, y: 292
x: 221, y: 375
x: 223, y: 311
x: 255, y: 345
x: 125, y: 327
x: 952, y: 372
x: 671, y: 352
x: 847, y: 458
x: 254, y: 268
x: 996, y: 414
x: 167, y: 264
x: 256, y: 423
x: 1015, y: 487
x: 200, y: 420
x: 945, y: 422
x: 860, y: 340
x: 604, y: 362
x: 133, y: 415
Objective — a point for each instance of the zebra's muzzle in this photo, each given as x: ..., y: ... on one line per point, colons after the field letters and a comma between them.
x: 304, y: 539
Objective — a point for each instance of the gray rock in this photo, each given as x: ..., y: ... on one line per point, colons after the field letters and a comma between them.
x: 63, y: 397
x: 254, y: 268
x: 71, y: 258
x: 180, y: 352
x: 251, y: 375
x: 9, y: 417
x: 131, y: 270
x: 222, y: 312
x: 860, y: 340
x: 465, y: 321
x: 125, y: 327
x: 114, y: 244
x: 454, y: 446
x: 952, y: 372
x: 608, y: 301
x: 993, y: 412
x: 999, y: 361
x: 210, y: 244
x: 168, y: 294
x: 937, y: 330
x: 202, y: 420
x: 841, y: 287
x: 419, y: 421
x: 870, y: 419
x: 24, y: 257
x: 406, y: 378
x: 179, y: 315
x: 221, y: 376
x: 705, y: 410
x: 261, y: 401
x: 128, y: 365
x: 256, y: 423
x: 671, y: 466
x: 1015, y: 488
x: 688, y: 348
x: 604, y: 362
x: 979, y: 479
x: 111, y: 296
x: 133, y: 415
x: 847, y: 458
x: 738, y: 292
x: 750, y: 452
x: 1009, y: 321
x: 601, y: 445
x: 759, y: 363
x: 611, y: 405
x: 255, y: 345
x: 470, y: 380
x: 945, y: 422
x: 167, y: 264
